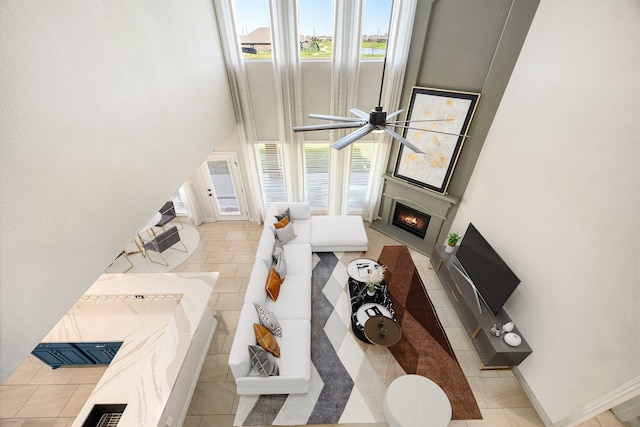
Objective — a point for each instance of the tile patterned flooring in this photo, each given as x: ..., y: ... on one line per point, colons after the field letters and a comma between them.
x: 37, y: 396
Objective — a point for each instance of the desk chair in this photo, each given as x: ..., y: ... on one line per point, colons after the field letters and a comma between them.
x: 163, y: 241
x: 168, y: 211
x: 122, y: 254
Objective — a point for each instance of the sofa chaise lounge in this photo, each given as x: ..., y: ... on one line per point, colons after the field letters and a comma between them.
x: 254, y: 368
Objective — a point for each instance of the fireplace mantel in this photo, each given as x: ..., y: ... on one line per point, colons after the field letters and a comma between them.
x: 433, y: 204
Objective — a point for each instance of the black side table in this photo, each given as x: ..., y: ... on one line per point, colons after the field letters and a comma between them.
x: 359, y: 296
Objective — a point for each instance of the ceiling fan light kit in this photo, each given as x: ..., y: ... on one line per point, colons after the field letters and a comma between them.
x: 376, y: 121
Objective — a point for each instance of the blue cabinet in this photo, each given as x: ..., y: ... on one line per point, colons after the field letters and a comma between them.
x: 59, y: 354
x: 100, y: 352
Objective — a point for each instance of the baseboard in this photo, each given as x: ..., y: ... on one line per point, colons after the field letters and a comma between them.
x: 532, y: 397
x: 608, y: 401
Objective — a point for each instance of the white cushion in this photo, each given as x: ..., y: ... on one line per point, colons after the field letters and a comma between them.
x: 239, y: 360
x: 256, y: 292
x: 298, y: 210
x: 265, y: 246
x: 302, y: 228
x: 294, y: 362
x: 272, y: 385
x: 294, y: 301
x: 338, y: 233
x: 299, y: 261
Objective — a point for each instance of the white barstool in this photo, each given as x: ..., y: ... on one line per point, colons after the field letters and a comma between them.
x: 416, y: 401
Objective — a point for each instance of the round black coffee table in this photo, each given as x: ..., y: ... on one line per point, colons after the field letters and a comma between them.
x: 372, y: 331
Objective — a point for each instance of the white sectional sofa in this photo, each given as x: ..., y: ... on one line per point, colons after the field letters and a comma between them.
x: 292, y: 308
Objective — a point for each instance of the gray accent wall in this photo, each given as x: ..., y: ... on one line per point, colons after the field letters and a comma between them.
x: 471, y: 46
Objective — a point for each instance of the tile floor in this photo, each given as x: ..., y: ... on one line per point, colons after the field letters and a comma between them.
x: 35, y: 395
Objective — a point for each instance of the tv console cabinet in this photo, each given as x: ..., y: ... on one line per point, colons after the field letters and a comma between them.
x: 494, y: 353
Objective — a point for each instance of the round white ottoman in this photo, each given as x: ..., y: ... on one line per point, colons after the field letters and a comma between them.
x: 413, y: 400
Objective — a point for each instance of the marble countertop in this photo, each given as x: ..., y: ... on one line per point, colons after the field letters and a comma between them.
x: 156, y: 332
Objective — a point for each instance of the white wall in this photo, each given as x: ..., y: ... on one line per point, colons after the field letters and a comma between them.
x: 556, y: 192
x: 106, y: 109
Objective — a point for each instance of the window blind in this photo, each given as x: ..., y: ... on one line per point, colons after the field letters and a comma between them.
x: 271, y: 172
x: 361, y: 159
x: 316, y: 161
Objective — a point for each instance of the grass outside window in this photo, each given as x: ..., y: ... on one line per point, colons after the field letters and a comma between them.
x: 324, y: 50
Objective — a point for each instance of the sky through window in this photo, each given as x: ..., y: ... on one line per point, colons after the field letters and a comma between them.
x: 315, y: 16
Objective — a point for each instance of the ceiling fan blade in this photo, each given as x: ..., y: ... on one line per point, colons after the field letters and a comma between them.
x: 430, y: 130
x: 334, y: 118
x: 360, y: 113
x: 402, y: 140
x: 353, y: 137
x: 395, y: 113
x: 419, y: 121
x: 329, y: 126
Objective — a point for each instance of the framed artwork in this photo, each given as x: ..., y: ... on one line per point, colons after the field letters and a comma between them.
x: 437, y: 122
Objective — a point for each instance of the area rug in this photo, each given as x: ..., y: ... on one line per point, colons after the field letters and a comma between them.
x: 424, y: 348
x: 349, y: 378
x: 189, y: 236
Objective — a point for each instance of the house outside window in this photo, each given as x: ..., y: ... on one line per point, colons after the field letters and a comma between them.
x: 315, y: 29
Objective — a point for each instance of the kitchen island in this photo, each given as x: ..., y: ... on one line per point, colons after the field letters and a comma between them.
x: 165, y: 325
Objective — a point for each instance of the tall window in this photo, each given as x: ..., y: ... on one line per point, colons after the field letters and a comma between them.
x: 271, y: 172
x: 179, y: 201
x: 315, y: 25
x: 316, y: 167
x: 375, y: 28
x: 254, y: 30
x: 290, y: 168
x: 361, y: 160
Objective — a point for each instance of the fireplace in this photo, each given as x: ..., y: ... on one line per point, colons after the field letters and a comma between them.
x: 411, y: 220
x: 417, y: 204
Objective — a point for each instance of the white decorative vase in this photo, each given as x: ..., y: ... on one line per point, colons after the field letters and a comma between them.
x: 449, y: 249
x: 371, y: 293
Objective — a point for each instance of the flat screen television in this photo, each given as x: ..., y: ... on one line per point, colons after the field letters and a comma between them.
x: 490, y: 275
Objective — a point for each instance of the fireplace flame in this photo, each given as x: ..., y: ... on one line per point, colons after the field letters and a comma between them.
x: 412, y: 221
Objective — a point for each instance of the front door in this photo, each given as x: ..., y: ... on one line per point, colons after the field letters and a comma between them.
x: 224, y: 187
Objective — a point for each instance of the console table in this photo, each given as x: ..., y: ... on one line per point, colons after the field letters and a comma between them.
x: 494, y: 353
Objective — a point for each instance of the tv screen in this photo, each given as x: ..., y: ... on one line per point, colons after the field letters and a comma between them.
x: 491, y: 276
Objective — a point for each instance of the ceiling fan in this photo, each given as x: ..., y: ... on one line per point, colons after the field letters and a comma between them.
x: 376, y: 121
